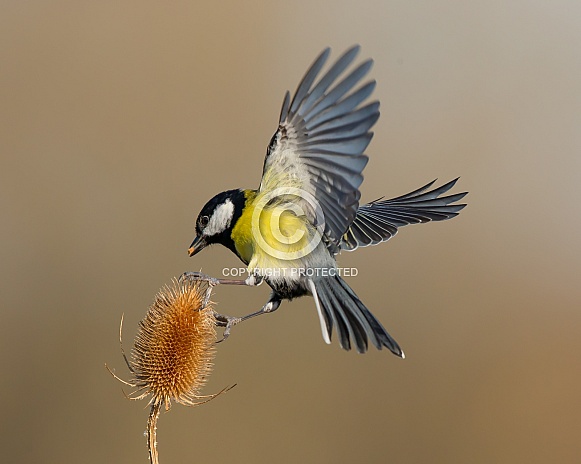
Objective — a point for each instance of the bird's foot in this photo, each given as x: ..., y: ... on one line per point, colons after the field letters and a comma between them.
x: 198, y: 276
x: 226, y: 321
x: 252, y: 281
x: 212, y: 281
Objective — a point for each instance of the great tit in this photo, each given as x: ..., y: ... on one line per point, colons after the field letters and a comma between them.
x: 307, y: 210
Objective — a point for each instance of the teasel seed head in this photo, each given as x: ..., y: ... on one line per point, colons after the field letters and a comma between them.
x: 174, y: 347
x: 173, y: 351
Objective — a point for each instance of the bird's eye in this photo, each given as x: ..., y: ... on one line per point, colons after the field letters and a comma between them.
x: 204, y: 221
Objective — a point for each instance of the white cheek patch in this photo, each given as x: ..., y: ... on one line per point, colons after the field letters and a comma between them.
x: 221, y: 219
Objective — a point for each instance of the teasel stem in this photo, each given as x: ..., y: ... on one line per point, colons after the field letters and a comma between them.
x: 152, y: 432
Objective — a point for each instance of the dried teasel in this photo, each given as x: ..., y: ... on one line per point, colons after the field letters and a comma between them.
x: 173, y: 351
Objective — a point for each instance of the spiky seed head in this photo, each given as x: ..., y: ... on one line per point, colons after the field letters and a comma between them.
x: 173, y: 351
x: 174, y: 346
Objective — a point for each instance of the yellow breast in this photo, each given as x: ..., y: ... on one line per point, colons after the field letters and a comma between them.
x: 270, y: 235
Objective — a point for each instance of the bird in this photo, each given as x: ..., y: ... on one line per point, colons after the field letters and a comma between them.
x: 306, y: 210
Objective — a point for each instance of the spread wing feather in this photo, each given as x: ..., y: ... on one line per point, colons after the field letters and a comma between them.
x: 318, y: 147
x: 379, y: 220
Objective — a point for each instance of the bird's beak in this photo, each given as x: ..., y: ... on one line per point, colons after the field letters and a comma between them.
x: 197, y: 245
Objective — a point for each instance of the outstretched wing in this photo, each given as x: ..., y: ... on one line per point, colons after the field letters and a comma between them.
x: 318, y: 147
x: 379, y: 220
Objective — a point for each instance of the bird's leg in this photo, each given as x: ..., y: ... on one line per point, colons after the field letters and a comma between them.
x: 252, y: 281
x: 271, y: 306
x: 223, y: 320
x: 229, y: 322
x: 212, y: 282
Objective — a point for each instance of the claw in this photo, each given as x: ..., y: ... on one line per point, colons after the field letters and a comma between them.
x: 231, y: 323
x: 226, y: 321
x: 212, y: 281
x: 195, y: 276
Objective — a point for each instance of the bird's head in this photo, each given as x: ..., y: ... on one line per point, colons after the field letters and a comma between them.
x: 216, y: 220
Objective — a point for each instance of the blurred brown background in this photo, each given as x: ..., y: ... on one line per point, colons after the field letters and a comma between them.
x: 119, y: 120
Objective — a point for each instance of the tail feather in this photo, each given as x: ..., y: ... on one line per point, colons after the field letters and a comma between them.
x: 340, y: 308
x: 349, y: 327
x: 379, y: 220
